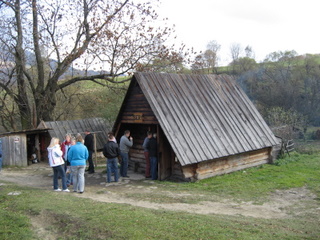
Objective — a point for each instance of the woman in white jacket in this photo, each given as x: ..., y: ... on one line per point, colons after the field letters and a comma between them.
x: 56, y: 162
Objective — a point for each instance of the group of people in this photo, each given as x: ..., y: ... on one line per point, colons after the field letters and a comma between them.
x: 112, y: 151
x: 68, y: 161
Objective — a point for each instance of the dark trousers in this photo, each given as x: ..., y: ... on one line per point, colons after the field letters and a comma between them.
x: 146, y: 155
x: 154, y: 168
x: 124, y: 164
x: 90, y: 161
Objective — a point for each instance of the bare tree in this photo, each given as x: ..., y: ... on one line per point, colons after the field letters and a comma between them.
x: 235, y: 50
x: 171, y: 62
x: 241, y: 64
x: 41, y: 40
x: 211, y: 54
x: 198, y: 65
x: 249, y: 52
x: 207, y: 61
x: 210, y: 58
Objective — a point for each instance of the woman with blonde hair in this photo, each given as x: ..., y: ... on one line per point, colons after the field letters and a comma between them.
x: 56, y: 162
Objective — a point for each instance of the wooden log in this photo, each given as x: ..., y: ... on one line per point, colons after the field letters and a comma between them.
x: 226, y: 165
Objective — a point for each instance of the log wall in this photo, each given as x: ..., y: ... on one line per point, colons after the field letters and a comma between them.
x: 225, y: 165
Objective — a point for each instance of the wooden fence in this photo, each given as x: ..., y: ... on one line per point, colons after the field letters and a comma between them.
x: 287, y: 147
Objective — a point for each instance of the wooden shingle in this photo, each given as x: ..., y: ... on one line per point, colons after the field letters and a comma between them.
x: 96, y: 125
x: 204, y: 117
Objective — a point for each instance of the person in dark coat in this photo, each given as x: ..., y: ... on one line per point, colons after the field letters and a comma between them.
x: 152, y: 147
x: 89, y: 143
x: 111, y: 152
x: 146, y: 154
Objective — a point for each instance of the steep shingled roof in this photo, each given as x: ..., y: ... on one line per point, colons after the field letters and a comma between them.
x: 204, y: 117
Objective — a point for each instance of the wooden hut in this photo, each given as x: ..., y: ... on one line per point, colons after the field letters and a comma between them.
x: 97, y: 126
x: 206, y: 125
x: 18, y: 147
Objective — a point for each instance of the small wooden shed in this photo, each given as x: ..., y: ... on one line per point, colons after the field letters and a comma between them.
x: 206, y: 125
x: 97, y: 126
x: 19, y: 146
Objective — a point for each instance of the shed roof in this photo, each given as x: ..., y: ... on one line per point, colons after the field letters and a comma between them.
x: 204, y: 117
x: 96, y: 125
x: 29, y: 131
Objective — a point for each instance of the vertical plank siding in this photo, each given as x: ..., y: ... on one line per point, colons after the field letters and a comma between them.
x: 14, y: 150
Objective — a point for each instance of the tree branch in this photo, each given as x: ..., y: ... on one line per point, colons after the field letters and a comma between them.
x: 107, y: 77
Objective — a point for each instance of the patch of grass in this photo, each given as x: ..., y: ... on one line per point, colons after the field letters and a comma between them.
x: 14, y: 225
x: 256, y: 184
x: 307, y: 147
x: 77, y: 218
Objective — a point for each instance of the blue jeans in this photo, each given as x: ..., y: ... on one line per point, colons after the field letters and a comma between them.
x: 112, y: 167
x: 69, y: 176
x: 78, y: 177
x: 124, y: 164
x: 154, y: 168
x: 59, y: 171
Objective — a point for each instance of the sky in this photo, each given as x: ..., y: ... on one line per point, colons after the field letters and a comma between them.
x: 266, y: 26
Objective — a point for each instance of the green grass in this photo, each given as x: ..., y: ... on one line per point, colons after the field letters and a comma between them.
x: 71, y: 217
x: 77, y: 218
x: 255, y: 184
x: 308, y: 147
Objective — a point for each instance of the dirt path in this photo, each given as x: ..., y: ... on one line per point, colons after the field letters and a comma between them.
x: 280, y: 205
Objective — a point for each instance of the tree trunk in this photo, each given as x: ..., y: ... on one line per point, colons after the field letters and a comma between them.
x: 45, y: 104
x: 22, y: 97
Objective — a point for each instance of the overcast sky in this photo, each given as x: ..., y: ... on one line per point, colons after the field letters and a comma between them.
x: 266, y: 26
